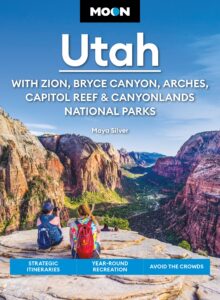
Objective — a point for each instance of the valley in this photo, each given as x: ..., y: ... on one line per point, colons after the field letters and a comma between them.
x: 173, y: 199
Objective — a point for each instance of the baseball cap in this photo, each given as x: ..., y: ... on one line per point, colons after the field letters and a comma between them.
x: 48, y: 205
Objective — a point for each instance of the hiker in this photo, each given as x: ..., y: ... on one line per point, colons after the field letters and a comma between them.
x: 105, y: 228
x: 85, y: 235
x: 49, y: 228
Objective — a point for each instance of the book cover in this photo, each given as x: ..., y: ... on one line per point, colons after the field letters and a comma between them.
x: 109, y: 149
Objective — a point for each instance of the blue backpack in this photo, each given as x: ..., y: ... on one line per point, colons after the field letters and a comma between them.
x: 48, y: 234
x: 44, y: 241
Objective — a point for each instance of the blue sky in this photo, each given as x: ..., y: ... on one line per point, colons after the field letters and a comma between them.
x: 186, y: 32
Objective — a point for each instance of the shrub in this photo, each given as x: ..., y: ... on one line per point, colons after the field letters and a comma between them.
x: 37, y: 193
x: 115, y: 222
x: 102, y: 196
x: 185, y: 245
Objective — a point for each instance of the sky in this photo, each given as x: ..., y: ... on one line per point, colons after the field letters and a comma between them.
x: 187, y: 34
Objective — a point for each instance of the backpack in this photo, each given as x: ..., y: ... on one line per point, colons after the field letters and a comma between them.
x: 85, y: 241
x: 44, y: 241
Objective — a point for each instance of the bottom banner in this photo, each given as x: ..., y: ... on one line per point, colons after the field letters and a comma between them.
x: 31, y: 266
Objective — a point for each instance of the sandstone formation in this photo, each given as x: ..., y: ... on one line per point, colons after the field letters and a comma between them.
x: 194, y: 213
x: 125, y: 158
x: 200, y: 145
x: 88, y: 166
x: 28, y: 175
x: 122, y: 244
x: 110, y: 151
x: 197, y: 147
x: 31, y: 172
x: 172, y: 168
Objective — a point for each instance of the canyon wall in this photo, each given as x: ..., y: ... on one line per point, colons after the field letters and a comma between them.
x: 29, y: 174
x: 88, y: 166
x: 194, y: 214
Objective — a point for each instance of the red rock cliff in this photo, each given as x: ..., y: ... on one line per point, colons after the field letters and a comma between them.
x: 28, y: 175
x: 194, y: 214
x: 197, y: 147
x: 88, y: 165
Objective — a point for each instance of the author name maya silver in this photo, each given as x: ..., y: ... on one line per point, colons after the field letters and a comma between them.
x: 104, y: 131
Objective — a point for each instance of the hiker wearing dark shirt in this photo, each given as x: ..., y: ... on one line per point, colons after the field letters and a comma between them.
x: 49, y: 228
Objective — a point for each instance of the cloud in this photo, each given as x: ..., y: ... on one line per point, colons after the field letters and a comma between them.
x: 40, y: 126
x: 37, y: 133
x: 208, y: 55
